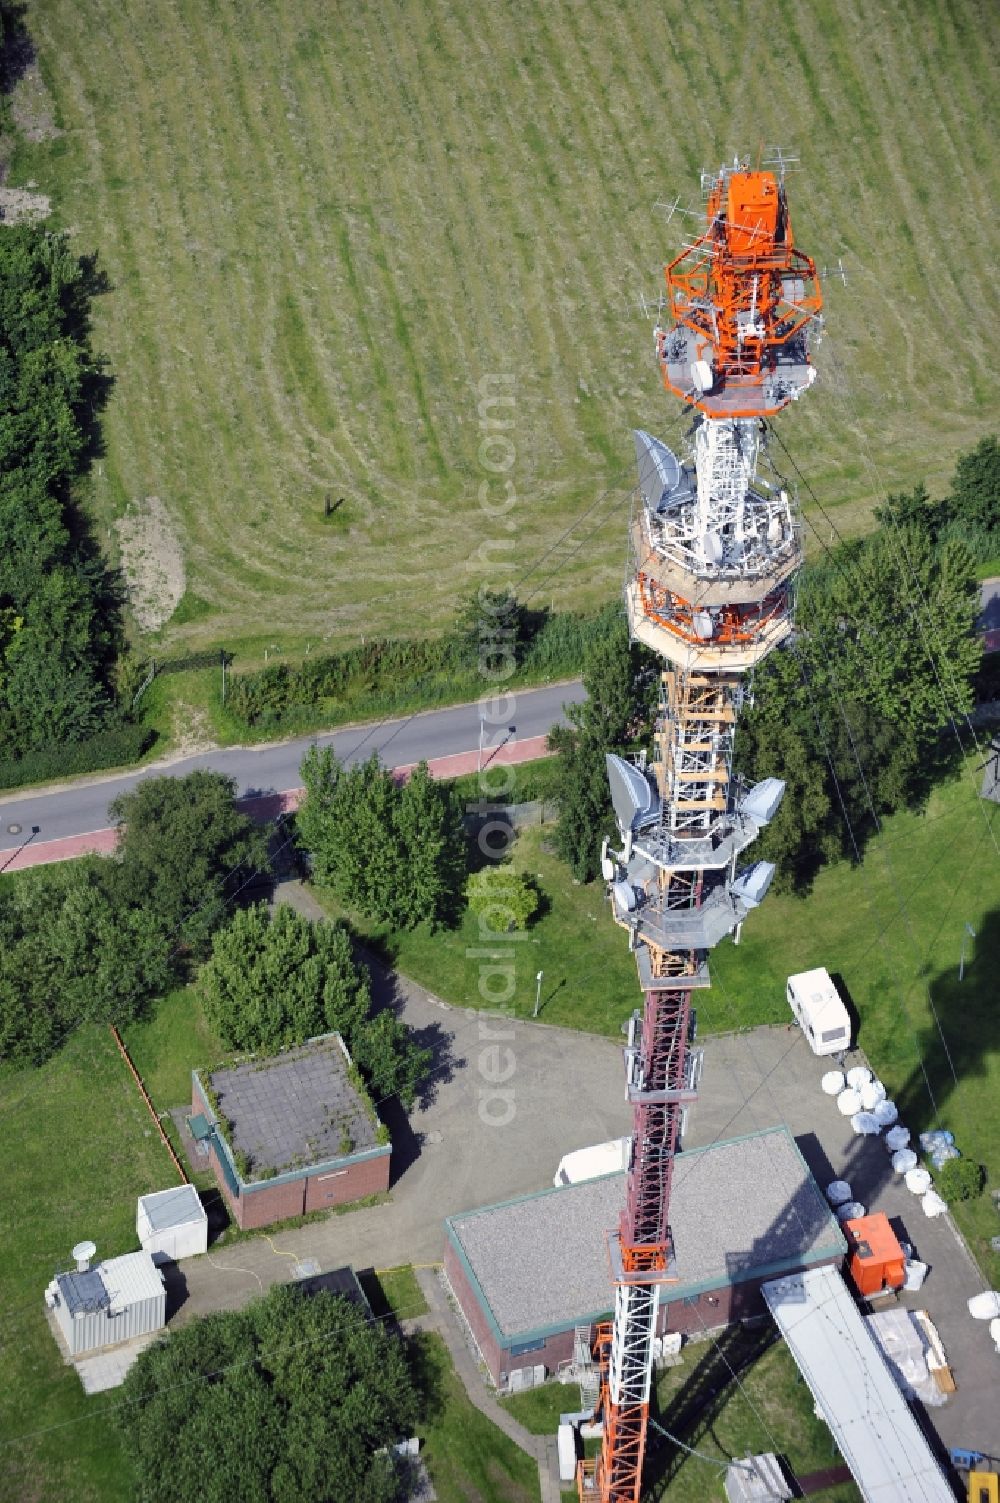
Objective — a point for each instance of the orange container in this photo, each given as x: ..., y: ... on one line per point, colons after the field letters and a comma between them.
x: 876, y: 1260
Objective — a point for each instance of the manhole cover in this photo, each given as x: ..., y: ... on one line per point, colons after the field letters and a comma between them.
x: 13, y: 829
x: 434, y: 1137
x: 306, y: 1269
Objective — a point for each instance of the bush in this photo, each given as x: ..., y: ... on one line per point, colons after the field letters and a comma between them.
x: 503, y: 897
x: 960, y: 1179
x: 113, y: 748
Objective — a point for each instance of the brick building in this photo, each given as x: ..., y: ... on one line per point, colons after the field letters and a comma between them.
x: 290, y: 1134
x: 529, y: 1272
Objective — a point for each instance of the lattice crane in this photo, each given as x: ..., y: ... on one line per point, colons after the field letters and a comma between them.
x: 714, y: 554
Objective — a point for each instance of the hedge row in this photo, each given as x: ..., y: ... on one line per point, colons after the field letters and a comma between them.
x: 391, y: 671
x: 114, y: 748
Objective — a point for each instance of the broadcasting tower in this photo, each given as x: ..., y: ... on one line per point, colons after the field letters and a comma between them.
x: 715, y: 552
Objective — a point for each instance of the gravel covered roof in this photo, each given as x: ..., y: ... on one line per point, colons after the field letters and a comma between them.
x: 293, y: 1110
x: 736, y: 1207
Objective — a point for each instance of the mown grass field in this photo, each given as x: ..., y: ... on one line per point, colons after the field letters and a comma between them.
x: 326, y: 226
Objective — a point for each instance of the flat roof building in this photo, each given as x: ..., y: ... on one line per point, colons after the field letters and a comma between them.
x: 290, y: 1134
x: 530, y: 1272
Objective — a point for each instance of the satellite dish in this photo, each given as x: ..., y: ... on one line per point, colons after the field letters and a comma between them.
x: 702, y: 376
x: 660, y: 472
x: 711, y: 547
x: 625, y: 899
x: 82, y: 1253
x: 703, y: 625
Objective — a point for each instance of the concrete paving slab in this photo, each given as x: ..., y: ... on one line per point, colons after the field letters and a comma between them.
x: 109, y: 1369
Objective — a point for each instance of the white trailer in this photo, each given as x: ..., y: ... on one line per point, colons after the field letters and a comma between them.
x: 819, y: 1011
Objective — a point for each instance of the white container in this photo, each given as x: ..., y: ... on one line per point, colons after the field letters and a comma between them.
x: 851, y: 1210
x: 566, y: 1445
x: 995, y: 1332
x: 914, y: 1273
x: 904, y: 1160
x: 838, y: 1191
x: 918, y: 1180
x: 859, y: 1076
x: 866, y: 1123
x: 885, y: 1113
x: 848, y: 1102
x: 985, y: 1306
x: 832, y: 1083
x: 897, y: 1137
x: 172, y: 1224
x: 932, y: 1204
x: 872, y: 1094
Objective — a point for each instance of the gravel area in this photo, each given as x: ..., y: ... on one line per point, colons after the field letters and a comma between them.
x: 736, y: 1207
x: 294, y: 1110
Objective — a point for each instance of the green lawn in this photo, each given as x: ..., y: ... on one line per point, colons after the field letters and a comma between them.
x: 324, y: 227
x: 468, y: 1458
x: 393, y: 1291
x: 589, y: 976
x: 772, y: 1411
x: 76, y: 1151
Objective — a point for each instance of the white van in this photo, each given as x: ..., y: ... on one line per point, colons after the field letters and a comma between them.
x: 819, y: 1011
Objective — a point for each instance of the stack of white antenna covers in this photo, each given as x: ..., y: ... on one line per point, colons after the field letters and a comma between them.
x: 898, y: 1137
x: 832, y: 1083
x: 985, y: 1306
x: 885, y: 1113
x: 866, y: 1123
x: 851, y: 1210
x: 858, y: 1076
x: 871, y: 1094
x: 848, y: 1102
x: 903, y: 1160
x: 933, y: 1204
x: 918, y: 1180
x: 838, y: 1192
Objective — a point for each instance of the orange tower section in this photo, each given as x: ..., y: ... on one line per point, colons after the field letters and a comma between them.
x: 714, y: 554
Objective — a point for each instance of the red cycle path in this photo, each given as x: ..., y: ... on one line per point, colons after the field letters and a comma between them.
x: 270, y: 805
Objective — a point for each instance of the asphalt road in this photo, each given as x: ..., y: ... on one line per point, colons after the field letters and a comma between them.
x: 82, y: 806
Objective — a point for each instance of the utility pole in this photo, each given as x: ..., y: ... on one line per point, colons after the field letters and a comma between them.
x: 969, y: 933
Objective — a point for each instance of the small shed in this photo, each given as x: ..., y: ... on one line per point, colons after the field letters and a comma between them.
x: 172, y: 1224
x: 876, y: 1260
x: 118, y: 1300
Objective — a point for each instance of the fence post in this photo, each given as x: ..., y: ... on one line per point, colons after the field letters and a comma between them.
x: 222, y: 659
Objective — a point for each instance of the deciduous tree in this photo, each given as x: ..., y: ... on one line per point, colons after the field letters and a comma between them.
x: 292, y: 1400
x: 187, y: 849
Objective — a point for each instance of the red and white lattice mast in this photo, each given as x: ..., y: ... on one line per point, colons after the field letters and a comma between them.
x: 715, y: 551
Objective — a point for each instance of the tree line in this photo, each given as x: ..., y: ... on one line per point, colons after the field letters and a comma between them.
x: 60, y: 605
x: 100, y: 939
